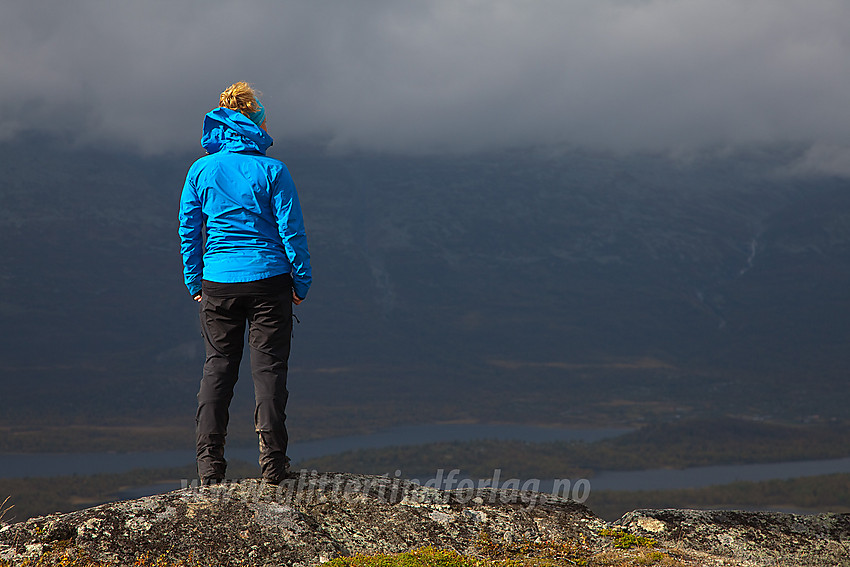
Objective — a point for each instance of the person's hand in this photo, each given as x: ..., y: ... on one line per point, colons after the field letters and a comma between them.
x: 197, y: 297
x: 295, y: 299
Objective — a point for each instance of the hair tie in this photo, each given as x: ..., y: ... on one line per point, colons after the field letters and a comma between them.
x: 258, y: 116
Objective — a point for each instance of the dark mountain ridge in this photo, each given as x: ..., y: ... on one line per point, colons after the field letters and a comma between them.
x: 520, y: 286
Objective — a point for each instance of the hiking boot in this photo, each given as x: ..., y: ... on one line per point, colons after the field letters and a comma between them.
x: 278, y: 478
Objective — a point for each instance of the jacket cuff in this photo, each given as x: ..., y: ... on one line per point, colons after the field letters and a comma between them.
x: 300, y: 290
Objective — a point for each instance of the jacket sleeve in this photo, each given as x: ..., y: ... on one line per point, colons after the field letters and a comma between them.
x: 290, y: 224
x: 191, y: 237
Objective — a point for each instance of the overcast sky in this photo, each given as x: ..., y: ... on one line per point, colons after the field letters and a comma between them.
x: 442, y: 75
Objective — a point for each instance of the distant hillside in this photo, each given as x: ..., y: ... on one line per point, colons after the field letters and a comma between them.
x: 672, y: 445
x: 573, y: 288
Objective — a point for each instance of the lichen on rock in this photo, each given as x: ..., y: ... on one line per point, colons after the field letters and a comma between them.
x: 303, y: 521
x: 318, y: 517
x: 751, y: 538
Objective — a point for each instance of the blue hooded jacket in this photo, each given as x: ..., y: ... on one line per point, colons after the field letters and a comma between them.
x: 248, y: 204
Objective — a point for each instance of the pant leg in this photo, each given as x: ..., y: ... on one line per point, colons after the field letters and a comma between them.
x: 223, y: 328
x: 269, y: 334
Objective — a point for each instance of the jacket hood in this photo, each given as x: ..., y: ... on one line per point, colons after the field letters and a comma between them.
x: 232, y: 131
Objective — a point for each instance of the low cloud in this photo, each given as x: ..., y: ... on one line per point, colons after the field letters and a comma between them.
x: 824, y: 159
x: 438, y: 76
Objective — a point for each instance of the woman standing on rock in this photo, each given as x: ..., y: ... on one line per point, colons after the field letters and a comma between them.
x: 252, y: 267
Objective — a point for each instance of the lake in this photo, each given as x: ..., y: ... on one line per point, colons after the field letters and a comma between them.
x: 56, y: 464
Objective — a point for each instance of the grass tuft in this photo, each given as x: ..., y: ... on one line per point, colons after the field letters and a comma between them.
x: 4, y: 509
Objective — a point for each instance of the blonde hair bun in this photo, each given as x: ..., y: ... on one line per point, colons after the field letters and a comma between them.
x: 241, y: 97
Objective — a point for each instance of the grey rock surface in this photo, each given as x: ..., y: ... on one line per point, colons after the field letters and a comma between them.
x: 750, y: 538
x: 302, y: 522
x: 317, y: 517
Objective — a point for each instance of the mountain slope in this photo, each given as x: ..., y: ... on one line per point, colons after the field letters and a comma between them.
x: 523, y: 286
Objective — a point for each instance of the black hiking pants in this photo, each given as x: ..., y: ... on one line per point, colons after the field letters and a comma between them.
x: 266, y: 307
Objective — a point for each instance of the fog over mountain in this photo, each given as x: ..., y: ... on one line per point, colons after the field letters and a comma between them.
x: 439, y: 76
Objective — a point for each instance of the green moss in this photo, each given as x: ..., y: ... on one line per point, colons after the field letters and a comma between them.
x: 424, y: 557
x: 625, y: 540
x: 488, y: 554
x: 522, y: 552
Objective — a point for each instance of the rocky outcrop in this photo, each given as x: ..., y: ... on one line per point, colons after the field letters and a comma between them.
x: 315, y: 518
x: 751, y: 538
